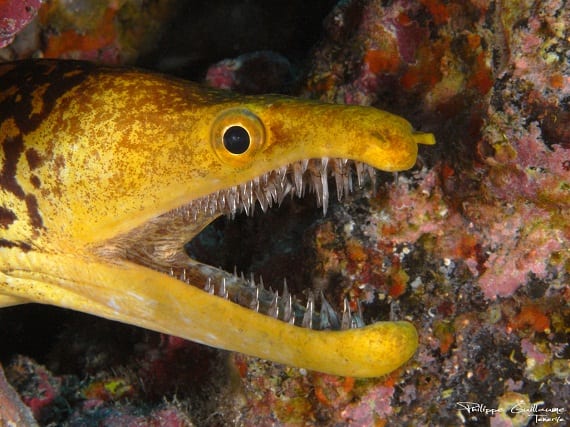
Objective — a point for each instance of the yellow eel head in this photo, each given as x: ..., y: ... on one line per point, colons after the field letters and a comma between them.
x: 106, y: 173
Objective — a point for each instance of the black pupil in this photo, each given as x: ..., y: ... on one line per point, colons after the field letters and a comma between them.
x: 236, y: 140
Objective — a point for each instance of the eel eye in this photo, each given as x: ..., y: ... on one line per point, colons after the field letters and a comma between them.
x: 236, y: 140
x: 237, y: 135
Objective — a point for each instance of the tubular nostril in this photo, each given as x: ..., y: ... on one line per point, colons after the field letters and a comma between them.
x: 423, y: 138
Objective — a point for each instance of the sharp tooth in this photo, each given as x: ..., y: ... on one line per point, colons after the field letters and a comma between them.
x: 255, y: 303
x: 263, y: 203
x: 324, y: 185
x: 287, y: 303
x: 273, y: 310
x: 221, y: 199
x: 346, y: 316
x: 250, y: 195
x: 358, y: 318
x: 233, y: 199
x: 259, y: 194
x: 316, y: 182
x: 287, y: 309
x: 348, y: 183
x: 284, y: 189
x: 339, y: 182
x: 284, y: 184
x: 264, y: 196
x: 281, y: 172
x: 372, y: 174
x: 223, y: 292
x: 244, y: 198
x: 359, y: 172
x: 246, y: 206
x: 298, y: 178
x: 339, y: 177
x: 271, y: 193
x: 308, y: 316
x: 329, y: 318
x: 325, y: 195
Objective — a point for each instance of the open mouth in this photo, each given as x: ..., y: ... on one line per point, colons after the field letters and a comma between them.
x: 163, y: 248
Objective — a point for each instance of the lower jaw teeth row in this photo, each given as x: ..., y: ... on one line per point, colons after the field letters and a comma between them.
x: 285, y: 307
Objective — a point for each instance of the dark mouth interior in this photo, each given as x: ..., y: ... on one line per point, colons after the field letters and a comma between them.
x: 266, y: 253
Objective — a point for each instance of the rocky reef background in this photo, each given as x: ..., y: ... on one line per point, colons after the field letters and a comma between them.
x: 472, y: 245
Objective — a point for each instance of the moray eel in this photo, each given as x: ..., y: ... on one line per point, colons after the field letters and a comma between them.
x: 106, y: 173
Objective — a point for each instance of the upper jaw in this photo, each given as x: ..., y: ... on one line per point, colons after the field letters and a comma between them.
x: 159, y: 241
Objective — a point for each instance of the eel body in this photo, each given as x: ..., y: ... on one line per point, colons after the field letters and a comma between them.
x: 106, y: 173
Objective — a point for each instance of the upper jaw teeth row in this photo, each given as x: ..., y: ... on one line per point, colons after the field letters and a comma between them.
x: 295, y: 179
x: 286, y: 307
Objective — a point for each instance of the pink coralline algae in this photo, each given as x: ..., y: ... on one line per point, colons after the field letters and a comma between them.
x: 487, y: 216
x: 110, y: 31
x: 506, y: 213
x: 372, y: 407
x: 14, y: 16
x: 252, y: 73
x: 39, y: 389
